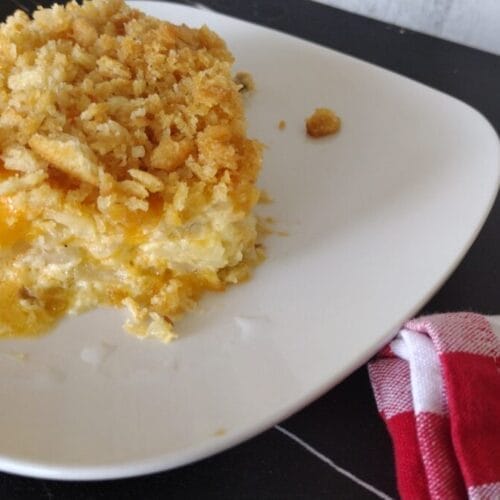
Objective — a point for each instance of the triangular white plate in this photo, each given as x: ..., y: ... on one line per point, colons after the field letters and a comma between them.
x: 377, y: 217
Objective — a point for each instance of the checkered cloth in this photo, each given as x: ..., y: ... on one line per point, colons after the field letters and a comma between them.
x: 437, y: 387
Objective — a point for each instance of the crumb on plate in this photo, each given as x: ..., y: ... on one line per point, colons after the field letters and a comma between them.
x: 220, y: 432
x: 245, y: 81
x: 282, y: 124
x: 322, y: 122
x: 264, y: 197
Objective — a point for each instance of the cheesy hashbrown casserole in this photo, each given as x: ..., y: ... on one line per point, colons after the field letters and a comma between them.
x: 126, y: 177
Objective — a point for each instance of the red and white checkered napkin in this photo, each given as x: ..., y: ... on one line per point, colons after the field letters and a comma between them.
x: 437, y: 387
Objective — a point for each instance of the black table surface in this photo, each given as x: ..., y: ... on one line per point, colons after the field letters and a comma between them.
x: 353, y: 456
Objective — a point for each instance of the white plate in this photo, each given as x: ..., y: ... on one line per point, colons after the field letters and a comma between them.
x: 378, y: 217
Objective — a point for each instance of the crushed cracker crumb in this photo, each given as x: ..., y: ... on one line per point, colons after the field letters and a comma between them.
x: 322, y: 122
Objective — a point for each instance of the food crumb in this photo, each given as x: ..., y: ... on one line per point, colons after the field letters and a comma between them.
x: 322, y: 122
x: 245, y: 80
x: 264, y: 197
x: 282, y: 125
x: 219, y: 432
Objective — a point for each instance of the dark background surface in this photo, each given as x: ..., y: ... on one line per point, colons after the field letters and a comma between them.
x: 343, y: 424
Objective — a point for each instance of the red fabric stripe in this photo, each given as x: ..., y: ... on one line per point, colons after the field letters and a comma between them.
x: 386, y: 352
x: 412, y: 483
x: 473, y: 387
x: 440, y: 463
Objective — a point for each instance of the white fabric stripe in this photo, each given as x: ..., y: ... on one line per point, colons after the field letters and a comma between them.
x: 333, y: 465
x: 425, y: 373
x: 490, y: 491
x: 398, y: 347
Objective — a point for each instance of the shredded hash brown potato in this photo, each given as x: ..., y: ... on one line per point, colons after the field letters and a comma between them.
x: 126, y: 177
